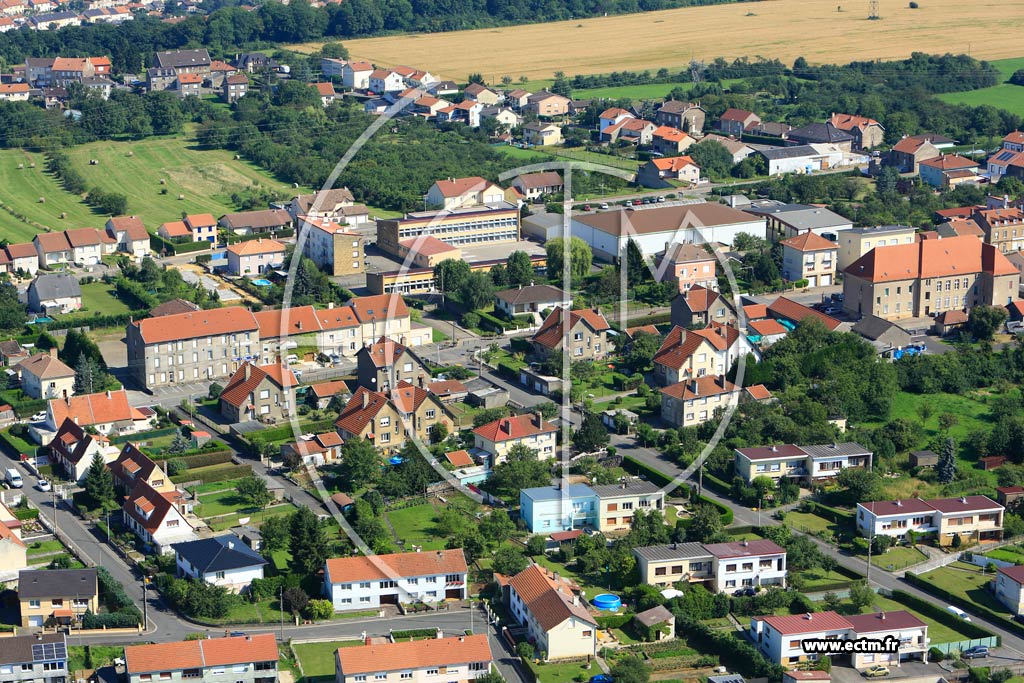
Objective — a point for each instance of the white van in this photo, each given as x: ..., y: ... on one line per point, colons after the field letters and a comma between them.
x: 12, y: 478
x: 959, y: 612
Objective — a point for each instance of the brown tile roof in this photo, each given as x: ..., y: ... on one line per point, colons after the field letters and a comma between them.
x: 517, y: 427
x: 964, y: 504
x: 540, y: 179
x: 53, y: 242
x: 240, y: 385
x: 848, y: 122
x: 236, y: 79
x: 217, y: 321
x: 92, y: 409
x: 45, y: 366
x: 428, y: 245
x: 740, y: 115
x: 325, y: 389
x: 175, y: 229
x: 22, y: 250
x: 550, y: 333
x: 132, y: 461
x: 378, y: 307
x: 767, y: 328
x: 355, y: 416
x: 793, y: 624
x: 132, y: 225
x: 885, y: 621
x: 405, y: 565
x: 84, y: 237
x: 152, y: 501
x: 679, y: 345
x: 548, y: 600
x: 796, y: 312
x: 674, y: 164
x: 173, y: 307
x: 664, y: 218
x: 910, y: 145
x: 930, y: 259
x: 809, y: 241
x: 414, y: 654
x: 324, y: 89
x: 69, y: 63
x: 456, y: 187
x: 256, y: 246
x: 447, y: 387
x: 951, y: 318
x: 708, y: 385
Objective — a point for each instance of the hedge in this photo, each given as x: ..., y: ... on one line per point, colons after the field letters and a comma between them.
x: 727, y: 514
x: 507, y: 370
x: 15, y: 446
x: 634, y: 466
x: 712, y: 482
x: 519, y: 345
x: 26, y: 513
x: 159, y: 245
x: 143, y: 436
x: 206, y: 459
x: 614, y: 620
x: 948, y: 618
x: 414, y: 633
x: 111, y: 620
x: 92, y: 321
x: 659, y: 319
x: 215, y: 474
x: 833, y: 514
x: 23, y: 405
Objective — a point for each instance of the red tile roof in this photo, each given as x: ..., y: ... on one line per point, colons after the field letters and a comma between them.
x: 550, y: 333
x: 402, y: 565
x: 678, y: 347
x: 948, y: 162
x: 885, y: 621
x: 460, y: 458
x: 744, y: 549
x: 131, y: 225
x: 1014, y: 573
x: 283, y: 322
x: 379, y: 307
x: 810, y: 241
x: 92, y: 409
x: 249, y: 377
x: 758, y: 392
x: 256, y: 246
x: 517, y: 427
x: 673, y: 164
x: 447, y: 387
x: 195, y: 654
x: 456, y: 187
x: 796, y: 312
x: 7, y: 535
x: 325, y: 389
x: 739, y: 115
x: 175, y: 229
x: 359, y: 411
x: 414, y: 654
x: 756, y: 311
x: 767, y: 328
x: 216, y: 321
x: 669, y: 134
x: 548, y: 600
x: 848, y: 122
x: 794, y: 624
x: 708, y: 385
x: 930, y: 259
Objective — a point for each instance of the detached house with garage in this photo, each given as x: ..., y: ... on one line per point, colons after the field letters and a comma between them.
x: 529, y: 429
x: 222, y: 560
x: 805, y: 463
x: 259, y: 392
x: 360, y: 583
x: 552, y: 612
x: 975, y: 519
x: 56, y: 596
x: 131, y: 235
x: 587, y: 337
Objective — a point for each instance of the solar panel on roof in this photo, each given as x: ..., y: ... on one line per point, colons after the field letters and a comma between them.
x: 1005, y: 156
x: 48, y: 652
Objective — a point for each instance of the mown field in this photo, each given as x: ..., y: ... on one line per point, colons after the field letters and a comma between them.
x: 784, y: 29
x: 21, y: 213
x: 1004, y: 95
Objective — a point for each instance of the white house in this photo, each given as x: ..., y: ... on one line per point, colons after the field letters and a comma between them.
x: 43, y: 375
x: 54, y: 293
x: 811, y: 463
x: 459, y: 658
x: 157, y: 518
x: 904, y: 627
x: 972, y: 518
x: 356, y: 75
x: 529, y: 429
x: 455, y: 193
x: 385, y: 80
x: 73, y: 449
x: 1010, y: 587
x: 747, y: 563
x: 222, y: 560
x: 360, y: 583
x: 131, y: 235
x: 555, y: 619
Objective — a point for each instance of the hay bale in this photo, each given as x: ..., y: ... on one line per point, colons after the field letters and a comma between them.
x: 42, y: 200
x: 21, y: 166
x: 181, y: 196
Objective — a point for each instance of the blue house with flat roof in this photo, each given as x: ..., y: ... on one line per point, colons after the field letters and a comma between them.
x: 547, y: 509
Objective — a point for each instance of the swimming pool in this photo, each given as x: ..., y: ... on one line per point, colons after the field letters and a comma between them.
x: 607, y: 601
x: 262, y: 282
x: 41, y: 321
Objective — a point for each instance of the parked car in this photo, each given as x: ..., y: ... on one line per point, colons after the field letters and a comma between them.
x: 748, y: 590
x: 601, y: 678
x: 959, y: 612
x: 12, y: 478
x: 39, y: 417
x: 831, y: 310
x: 1015, y: 326
x: 976, y: 652
x: 604, y: 206
x: 43, y: 485
x: 877, y: 671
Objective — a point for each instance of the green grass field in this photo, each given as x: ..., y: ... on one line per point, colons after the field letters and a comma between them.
x: 22, y: 191
x: 1005, y: 95
x: 98, y: 297
x: 317, y: 659
x: 895, y: 559
x: 938, y: 633
x: 415, y: 526
x: 968, y: 584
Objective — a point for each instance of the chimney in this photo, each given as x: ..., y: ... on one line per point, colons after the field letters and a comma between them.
x: 696, y: 388
x: 505, y: 425
x: 368, y: 641
x: 231, y: 545
x: 744, y: 543
x: 440, y: 634
x: 575, y: 599
x: 53, y: 352
x: 366, y: 399
x: 775, y: 449
x: 881, y: 615
x: 538, y: 419
x: 809, y: 617
x: 899, y: 503
x: 721, y: 380
x: 298, y: 324
x: 108, y: 394
x: 963, y: 500
x: 248, y: 370
x: 330, y: 305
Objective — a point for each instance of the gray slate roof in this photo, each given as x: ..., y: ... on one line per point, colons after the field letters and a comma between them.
x: 789, y: 152
x: 673, y: 551
x: 178, y: 59
x: 658, y: 614
x: 534, y: 294
x: 56, y: 583
x: 843, y: 448
x: 873, y: 327
x: 55, y: 286
x: 630, y: 488
x: 820, y: 132
x: 220, y: 553
x: 45, y: 647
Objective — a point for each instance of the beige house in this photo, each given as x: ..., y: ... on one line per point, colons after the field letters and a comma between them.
x: 585, y: 339
x: 856, y: 242
x: 389, y: 419
x: 928, y: 278
x: 809, y: 257
x: 546, y: 103
x: 529, y: 429
x: 480, y: 93
x: 550, y: 609
x: 618, y: 502
x: 806, y: 463
x: 541, y: 134
x: 132, y: 465
x: 700, y: 305
x: 254, y: 257
x: 73, y: 449
x: 455, y: 193
x: 333, y: 247
x: 56, y: 595
x: 693, y: 402
x: 666, y: 565
x: 456, y: 658
x: 13, y: 552
x: 45, y: 376
x: 974, y: 519
x: 684, y: 355
x: 259, y: 392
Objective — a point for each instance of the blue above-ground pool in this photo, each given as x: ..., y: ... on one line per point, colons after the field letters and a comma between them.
x: 606, y: 601
x: 262, y: 282
x: 396, y: 460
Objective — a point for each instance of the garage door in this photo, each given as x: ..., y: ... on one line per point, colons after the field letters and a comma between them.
x: 812, y: 280
x: 826, y: 280
x: 35, y: 621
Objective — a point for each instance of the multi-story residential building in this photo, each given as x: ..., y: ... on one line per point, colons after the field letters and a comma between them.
x: 780, y: 638
x: 866, y: 132
x: 743, y: 564
x: 552, y: 612
x: 928, y: 278
x: 333, y: 247
x: 793, y: 220
x: 528, y: 429
x: 188, y: 85
x: 457, y: 193
x: 108, y: 412
x: 695, y: 401
x: 459, y: 658
x: 809, y: 257
x: 194, y: 346
x: 73, y: 449
x: 185, y: 61
x: 259, y: 392
x: 688, y: 265
x: 158, y: 518
x: 548, y: 509
x: 542, y: 134
x: 54, y: 293
x: 949, y: 170
x: 494, y: 222
x: 337, y: 205
x: 235, y: 87
x: 735, y: 121
x: 685, y: 116
x: 38, y: 658
x: 666, y: 565
x: 360, y: 583
x: 856, y: 242
x: 245, y: 659
x: 14, y: 92
x: 43, y: 375
x: 388, y: 419
x: 973, y: 518
x: 670, y: 141
x: 56, y: 596
x: 130, y: 234
x: 661, y: 171
x: 386, y: 364
x: 617, y: 503
x: 1010, y: 587
x: 807, y: 463
x: 1003, y: 227
x: 701, y: 305
x: 356, y: 75
x: 583, y: 336
x: 691, y: 354
x: 254, y: 257
x: 221, y: 560
x: 547, y: 104
x: 133, y: 465
x: 20, y: 258
x: 202, y: 226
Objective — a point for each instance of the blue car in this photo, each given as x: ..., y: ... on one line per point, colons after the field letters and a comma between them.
x: 602, y: 678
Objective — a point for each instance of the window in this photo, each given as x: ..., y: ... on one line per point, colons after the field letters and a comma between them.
x: 660, y: 571
x: 239, y: 668
x: 219, y: 575
x: 387, y: 584
x: 588, y: 634
x: 192, y: 673
x: 613, y: 507
x: 265, y: 393
x: 405, y: 675
x: 364, y: 599
x: 380, y: 677
x: 431, y: 413
x: 385, y: 422
x: 433, y: 672
x: 364, y: 584
x: 57, y: 602
x: 33, y: 603
x: 730, y: 567
x: 361, y: 677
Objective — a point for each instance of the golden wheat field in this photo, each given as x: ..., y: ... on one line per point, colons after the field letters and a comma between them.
x: 783, y: 29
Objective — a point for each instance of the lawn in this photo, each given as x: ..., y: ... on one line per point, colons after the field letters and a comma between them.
x: 817, y: 579
x: 99, y: 297
x: 968, y: 584
x: 205, y: 178
x: 647, y: 91
x: 221, y: 503
x: 1005, y: 95
x: 44, y: 547
x: 559, y: 672
x: 810, y: 523
x: 22, y: 191
x: 415, y: 526
x: 938, y: 633
x: 100, y: 655
x: 257, y: 518
x: 895, y: 559
x: 437, y: 336
x: 317, y: 659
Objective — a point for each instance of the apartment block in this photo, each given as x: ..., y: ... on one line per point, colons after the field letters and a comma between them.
x: 695, y: 401
x: 494, y: 222
x: 459, y: 658
x: 719, y: 566
x: 360, y: 583
x: 332, y: 247
x: 241, y: 659
x: 973, y: 518
x: 856, y: 242
x: 191, y: 347
x: 806, y: 463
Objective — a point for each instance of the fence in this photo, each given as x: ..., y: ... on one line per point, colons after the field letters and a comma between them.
x: 961, y: 645
x: 982, y: 561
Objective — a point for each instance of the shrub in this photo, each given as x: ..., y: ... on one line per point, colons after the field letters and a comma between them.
x: 319, y: 610
x: 525, y: 650
x: 111, y: 620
